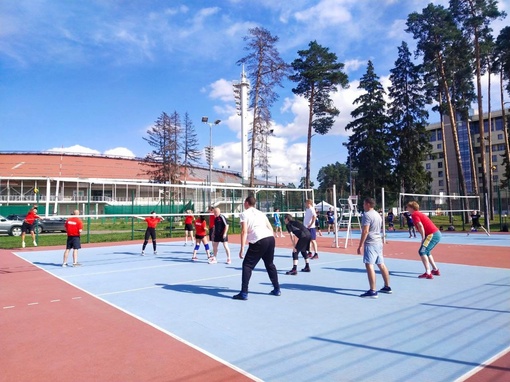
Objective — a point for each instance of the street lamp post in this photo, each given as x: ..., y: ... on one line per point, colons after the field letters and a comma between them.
x: 209, y: 151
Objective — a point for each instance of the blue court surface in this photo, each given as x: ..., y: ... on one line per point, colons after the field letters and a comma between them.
x: 318, y: 329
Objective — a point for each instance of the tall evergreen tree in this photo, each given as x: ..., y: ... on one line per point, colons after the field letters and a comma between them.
x: 474, y: 17
x: 190, y: 151
x: 266, y: 70
x: 408, y: 118
x: 159, y: 160
x: 371, y: 142
x: 502, y: 52
x: 318, y: 74
x: 437, y: 36
x: 175, y: 146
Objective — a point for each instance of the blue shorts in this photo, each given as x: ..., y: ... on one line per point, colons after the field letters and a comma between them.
x: 373, y: 254
x: 313, y: 233
x: 429, y: 243
x: 73, y: 242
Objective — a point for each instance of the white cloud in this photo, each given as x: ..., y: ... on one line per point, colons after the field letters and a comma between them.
x: 120, y: 152
x: 222, y: 89
x: 329, y: 12
x: 76, y: 149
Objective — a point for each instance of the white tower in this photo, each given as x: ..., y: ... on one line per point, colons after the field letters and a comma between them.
x: 241, y: 89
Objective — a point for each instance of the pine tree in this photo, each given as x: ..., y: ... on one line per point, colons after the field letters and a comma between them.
x: 160, y: 159
x: 266, y: 70
x: 190, y: 151
x: 371, y: 142
x: 318, y: 74
x: 408, y: 118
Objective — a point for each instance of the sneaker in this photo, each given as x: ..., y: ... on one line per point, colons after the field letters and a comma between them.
x: 212, y: 260
x: 22, y: 244
x: 241, y: 296
x: 292, y: 272
x: 282, y: 235
x: 35, y: 244
x: 386, y: 290
x: 194, y: 258
x: 229, y: 261
x: 76, y: 265
x: 64, y: 265
x: 309, y: 255
x: 436, y: 272
x: 315, y: 257
x: 155, y: 252
x: 306, y: 269
x: 276, y: 292
x: 185, y: 244
x: 426, y: 276
x: 369, y: 294
x: 143, y: 253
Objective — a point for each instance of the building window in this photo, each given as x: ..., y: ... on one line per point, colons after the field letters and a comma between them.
x: 439, y: 164
x: 500, y: 136
x: 495, y: 178
x: 494, y: 158
x: 441, y: 183
x: 439, y: 174
x: 439, y: 146
x: 427, y: 166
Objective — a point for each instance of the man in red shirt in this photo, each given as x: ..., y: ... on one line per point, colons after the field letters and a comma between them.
x: 430, y: 236
x: 74, y: 226
x: 152, y: 223
x: 28, y: 225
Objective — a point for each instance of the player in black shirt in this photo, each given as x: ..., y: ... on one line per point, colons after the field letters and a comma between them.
x: 220, y: 234
x: 296, y: 229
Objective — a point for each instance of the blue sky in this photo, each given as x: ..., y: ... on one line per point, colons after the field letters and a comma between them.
x: 92, y: 76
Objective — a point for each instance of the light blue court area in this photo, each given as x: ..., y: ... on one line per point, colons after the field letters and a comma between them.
x: 318, y: 329
x: 495, y: 239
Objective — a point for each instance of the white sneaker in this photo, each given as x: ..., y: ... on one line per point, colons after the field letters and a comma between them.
x: 212, y: 260
x: 35, y: 244
x: 23, y: 244
x: 155, y: 252
x: 64, y: 265
x: 229, y: 261
x: 282, y: 235
x: 76, y: 265
x: 143, y: 253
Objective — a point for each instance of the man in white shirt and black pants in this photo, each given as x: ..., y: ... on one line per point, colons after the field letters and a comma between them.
x: 258, y: 232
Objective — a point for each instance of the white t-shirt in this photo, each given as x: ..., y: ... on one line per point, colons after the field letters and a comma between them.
x: 257, y: 225
x: 309, y: 219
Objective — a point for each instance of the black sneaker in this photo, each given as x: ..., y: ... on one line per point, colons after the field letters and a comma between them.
x: 292, y: 272
x: 306, y: 269
x: 386, y: 289
x: 369, y: 294
x: 241, y: 296
x: 276, y: 292
x: 309, y: 255
x: 315, y: 257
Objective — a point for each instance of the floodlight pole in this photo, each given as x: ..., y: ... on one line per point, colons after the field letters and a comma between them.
x: 210, y: 150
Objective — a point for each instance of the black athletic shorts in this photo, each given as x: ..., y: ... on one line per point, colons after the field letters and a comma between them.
x: 188, y: 227
x: 27, y: 227
x: 220, y: 239
x: 73, y: 242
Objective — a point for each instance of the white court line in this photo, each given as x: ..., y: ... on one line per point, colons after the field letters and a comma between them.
x: 159, y: 286
x: 483, y: 365
x: 33, y: 303
x: 174, y: 336
x: 120, y: 270
x: 9, y: 307
x: 54, y: 300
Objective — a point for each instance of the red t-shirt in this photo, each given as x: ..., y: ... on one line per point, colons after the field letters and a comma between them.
x: 200, y: 227
x: 188, y: 219
x: 31, y: 216
x: 428, y: 226
x: 73, y: 226
x: 152, y: 221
